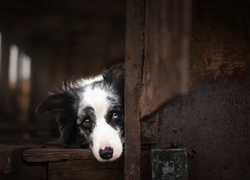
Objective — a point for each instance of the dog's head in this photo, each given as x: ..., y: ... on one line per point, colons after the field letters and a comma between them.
x: 91, y: 110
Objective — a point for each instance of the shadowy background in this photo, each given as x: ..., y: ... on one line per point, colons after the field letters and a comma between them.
x: 43, y: 43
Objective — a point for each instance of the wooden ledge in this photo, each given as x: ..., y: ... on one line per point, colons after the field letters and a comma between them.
x: 73, y: 164
x: 56, y: 154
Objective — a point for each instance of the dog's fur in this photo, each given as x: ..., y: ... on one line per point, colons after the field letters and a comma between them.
x: 90, y: 111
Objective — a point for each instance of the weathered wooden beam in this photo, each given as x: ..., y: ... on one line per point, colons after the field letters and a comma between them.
x: 165, y: 71
x: 8, y: 155
x: 133, y: 66
x: 55, y: 154
x: 13, y: 167
x: 74, y: 164
x: 87, y: 169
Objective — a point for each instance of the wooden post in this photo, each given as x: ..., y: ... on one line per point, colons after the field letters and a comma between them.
x: 133, y: 65
x: 156, y: 63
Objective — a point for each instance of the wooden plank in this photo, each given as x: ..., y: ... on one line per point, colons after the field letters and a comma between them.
x: 13, y: 167
x: 86, y: 169
x: 8, y: 155
x: 165, y: 69
x: 55, y: 154
x: 27, y: 172
x: 133, y: 64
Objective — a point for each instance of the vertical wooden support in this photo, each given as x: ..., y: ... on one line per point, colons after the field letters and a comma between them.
x: 156, y: 63
x: 133, y: 65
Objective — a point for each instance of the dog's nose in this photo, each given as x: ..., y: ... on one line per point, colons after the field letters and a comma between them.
x: 106, y: 153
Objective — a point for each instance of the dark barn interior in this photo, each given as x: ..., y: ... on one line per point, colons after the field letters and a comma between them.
x: 63, y: 41
x: 187, y: 85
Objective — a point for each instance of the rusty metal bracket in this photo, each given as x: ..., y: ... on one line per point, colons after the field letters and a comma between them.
x: 149, y: 130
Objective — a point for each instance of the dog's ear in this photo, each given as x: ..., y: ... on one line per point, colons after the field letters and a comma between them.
x: 55, y: 103
x: 60, y: 100
x: 116, y: 71
x: 50, y: 104
x: 62, y: 104
x: 115, y: 76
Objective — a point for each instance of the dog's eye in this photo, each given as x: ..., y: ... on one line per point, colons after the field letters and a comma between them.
x: 87, y: 122
x: 116, y: 116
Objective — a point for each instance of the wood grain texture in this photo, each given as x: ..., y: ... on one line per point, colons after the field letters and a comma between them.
x: 13, y: 167
x: 8, y: 155
x: 55, y: 154
x: 85, y: 169
x: 165, y: 71
x: 133, y: 66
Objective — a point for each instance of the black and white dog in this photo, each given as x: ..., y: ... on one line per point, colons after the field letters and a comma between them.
x: 90, y: 111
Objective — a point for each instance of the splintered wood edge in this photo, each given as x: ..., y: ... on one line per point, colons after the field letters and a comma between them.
x: 55, y: 154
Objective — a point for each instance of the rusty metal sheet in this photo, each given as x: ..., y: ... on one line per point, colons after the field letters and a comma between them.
x: 165, y: 68
x: 212, y: 122
x: 220, y: 39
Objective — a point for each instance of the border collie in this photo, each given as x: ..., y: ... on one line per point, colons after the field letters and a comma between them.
x: 90, y: 111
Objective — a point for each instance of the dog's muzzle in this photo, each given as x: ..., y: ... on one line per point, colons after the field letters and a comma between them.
x: 107, y: 145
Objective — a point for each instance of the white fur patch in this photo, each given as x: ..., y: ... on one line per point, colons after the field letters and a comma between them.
x: 103, y: 134
x: 87, y: 81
